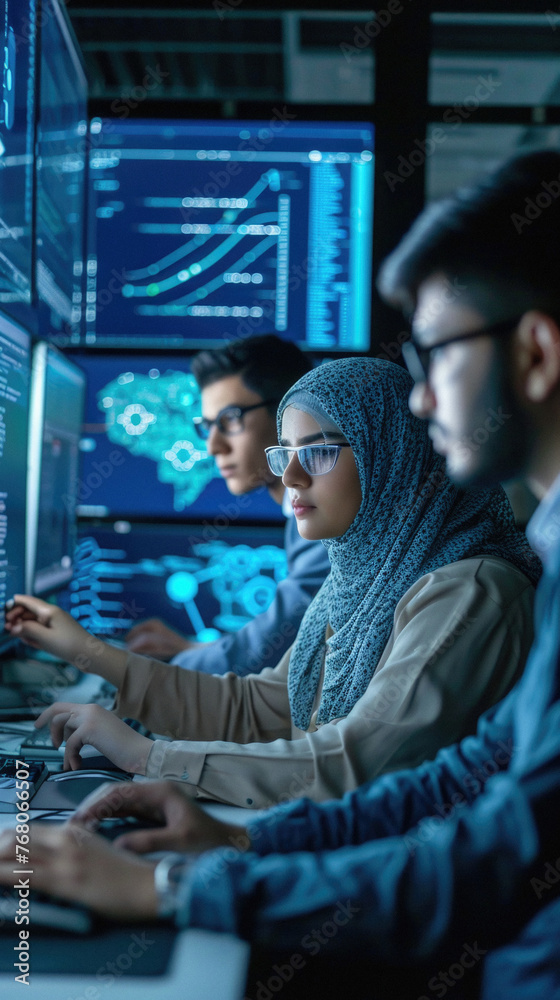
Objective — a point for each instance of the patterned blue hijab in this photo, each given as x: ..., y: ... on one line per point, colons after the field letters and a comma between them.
x: 412, y: 519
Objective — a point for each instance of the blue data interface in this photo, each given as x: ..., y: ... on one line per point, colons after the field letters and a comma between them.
x: 208, y: 231
x: 61, y: 171
x: 56, y: 411
x: 204, y: 580
x: 14, y: 401
x: 17, y: 138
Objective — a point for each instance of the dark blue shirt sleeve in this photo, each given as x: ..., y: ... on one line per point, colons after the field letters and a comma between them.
x: 415, y: 871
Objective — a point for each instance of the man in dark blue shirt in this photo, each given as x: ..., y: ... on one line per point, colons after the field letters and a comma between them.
x: 451, y: 869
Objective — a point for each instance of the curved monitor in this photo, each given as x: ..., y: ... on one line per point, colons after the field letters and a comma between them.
x: 56, y: 409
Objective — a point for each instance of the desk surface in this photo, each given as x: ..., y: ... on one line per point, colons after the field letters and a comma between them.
x: 203, y: 966
x: 213, y: 965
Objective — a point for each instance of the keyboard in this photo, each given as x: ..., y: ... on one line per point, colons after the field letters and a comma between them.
x: 38, y: 745
x: 38, y: 738
x: 44, y: 911
x: 17, y: 776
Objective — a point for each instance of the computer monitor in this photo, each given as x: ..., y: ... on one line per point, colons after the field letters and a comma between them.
x: 61, y: 177
x: 56, y: 412
x: 211, y: 230
x: 15, y: 344
x: 141, y: 456
x: 204, y: 580
x: 17, y: 138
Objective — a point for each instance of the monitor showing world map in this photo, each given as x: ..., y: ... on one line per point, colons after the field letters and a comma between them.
x: 141, y: 456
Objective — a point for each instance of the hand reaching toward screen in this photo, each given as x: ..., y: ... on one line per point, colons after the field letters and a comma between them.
x: 80, y: 866
x: 81, y: 724
x: 45, y: 626
x: 154, y: 638
x: 185, y: 827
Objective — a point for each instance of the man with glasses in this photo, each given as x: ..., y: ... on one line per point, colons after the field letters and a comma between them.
x: 425, y: 356
x: 241, y: 385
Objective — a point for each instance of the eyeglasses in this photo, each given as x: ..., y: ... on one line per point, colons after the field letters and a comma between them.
x: 229, y: 420
x: 315, y: 459
x: 418, y: 359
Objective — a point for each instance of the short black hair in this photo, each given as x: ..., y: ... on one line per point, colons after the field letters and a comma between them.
x: 499, y: 237
x: 267, y: 364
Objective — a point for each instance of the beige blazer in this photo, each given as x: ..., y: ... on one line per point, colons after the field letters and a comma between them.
x: 459, y: 642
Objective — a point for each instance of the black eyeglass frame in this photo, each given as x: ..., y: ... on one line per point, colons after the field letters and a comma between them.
x: 302, y: 448
x: 204, y: 426
x: 418, y: 359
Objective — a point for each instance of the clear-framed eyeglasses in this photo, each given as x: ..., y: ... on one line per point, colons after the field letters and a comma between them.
x: 315, y: 459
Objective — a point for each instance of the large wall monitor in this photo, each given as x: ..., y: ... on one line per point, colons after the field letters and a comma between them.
x: 61, y: 171
x: 14, y: 396
x: 56, y: 411
x: 17, y: 138
x: 211, y: 230
x: 141, y: 453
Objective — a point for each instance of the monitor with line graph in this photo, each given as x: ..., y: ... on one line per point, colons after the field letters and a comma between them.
x: 210, y: 230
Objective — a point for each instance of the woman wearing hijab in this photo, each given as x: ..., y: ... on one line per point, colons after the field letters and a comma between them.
x: 424, y: 621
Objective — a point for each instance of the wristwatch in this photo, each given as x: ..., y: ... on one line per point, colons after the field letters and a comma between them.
x: 168, y: 875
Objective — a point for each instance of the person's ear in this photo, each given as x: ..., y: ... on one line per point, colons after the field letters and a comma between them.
x: 537, y: 355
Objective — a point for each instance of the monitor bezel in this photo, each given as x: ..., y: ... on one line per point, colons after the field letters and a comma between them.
x: 53, y: 578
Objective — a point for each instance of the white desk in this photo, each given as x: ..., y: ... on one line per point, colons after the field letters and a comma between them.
x: 204, y: 966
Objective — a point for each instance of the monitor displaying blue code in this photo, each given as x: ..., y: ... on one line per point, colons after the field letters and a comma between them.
x: 61, y: 177
x: 18, y: 81
x: 15, y: 349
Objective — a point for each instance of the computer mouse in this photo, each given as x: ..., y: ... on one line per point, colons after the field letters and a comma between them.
x: 87, y: 750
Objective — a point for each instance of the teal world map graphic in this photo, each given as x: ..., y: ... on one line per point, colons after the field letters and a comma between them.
x: 152, y: 415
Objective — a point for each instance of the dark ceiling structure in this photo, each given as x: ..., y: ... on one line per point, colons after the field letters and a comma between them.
x: 230, y: 51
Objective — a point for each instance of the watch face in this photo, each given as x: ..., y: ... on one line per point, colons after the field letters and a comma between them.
x: 168, y: 875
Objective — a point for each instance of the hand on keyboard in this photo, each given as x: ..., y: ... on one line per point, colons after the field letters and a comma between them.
x: 82, y: 867
x: 93, y: 725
